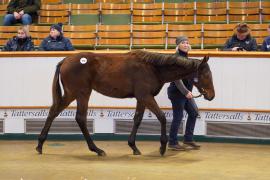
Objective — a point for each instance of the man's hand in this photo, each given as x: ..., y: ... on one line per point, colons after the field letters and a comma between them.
x: 235, y: 49
x: 189, y: 95
x: 17, y: 15
x: 21, y: 12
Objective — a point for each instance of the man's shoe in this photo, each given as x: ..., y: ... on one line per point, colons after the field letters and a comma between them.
x: 192, y: 144
x: 176, y: 147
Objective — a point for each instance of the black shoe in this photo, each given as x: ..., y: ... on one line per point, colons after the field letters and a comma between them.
x: 192, y: 144
x: 176, y: 147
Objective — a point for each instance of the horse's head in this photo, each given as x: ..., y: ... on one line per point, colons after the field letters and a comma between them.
x: 204, y: 83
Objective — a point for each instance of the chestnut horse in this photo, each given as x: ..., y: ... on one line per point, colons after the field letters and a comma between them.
x: 138, y: 74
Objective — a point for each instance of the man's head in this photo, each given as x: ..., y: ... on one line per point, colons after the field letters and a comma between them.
x: 242, y: 31
x: 56, y: 30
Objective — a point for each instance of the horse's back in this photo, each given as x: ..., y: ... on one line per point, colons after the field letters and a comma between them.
x: 115, y: 75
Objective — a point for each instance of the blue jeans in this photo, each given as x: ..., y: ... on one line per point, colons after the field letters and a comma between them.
x: 179, y: 104
x: 9, y: 19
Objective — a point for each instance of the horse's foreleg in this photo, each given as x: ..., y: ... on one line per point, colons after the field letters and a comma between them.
x: 54, y: 111
x: 137, y: 121
x: 152, y: 105
x: 81, y: 117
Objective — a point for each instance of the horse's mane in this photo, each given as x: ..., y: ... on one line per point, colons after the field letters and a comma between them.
x: 159, y: 59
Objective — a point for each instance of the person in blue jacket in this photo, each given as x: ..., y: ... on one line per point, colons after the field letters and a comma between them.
x: 21, y: 42
x: 266, y: 42
x: 180, y: 94
x: 56, y: 40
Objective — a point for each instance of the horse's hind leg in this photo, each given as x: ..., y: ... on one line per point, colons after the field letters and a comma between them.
x: 81, y: 117
x: 54, y: 111
x: 137, y: 121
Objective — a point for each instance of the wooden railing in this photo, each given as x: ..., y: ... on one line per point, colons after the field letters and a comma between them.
x: 193, y: 53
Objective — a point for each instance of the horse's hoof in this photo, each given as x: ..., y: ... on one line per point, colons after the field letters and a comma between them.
x: 101, y: 153
x: 39, y: 150
x: 162, y: 151
x: 137, y: 152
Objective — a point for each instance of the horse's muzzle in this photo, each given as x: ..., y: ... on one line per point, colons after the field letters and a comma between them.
x: 209, y: 98
x: 208, y: 95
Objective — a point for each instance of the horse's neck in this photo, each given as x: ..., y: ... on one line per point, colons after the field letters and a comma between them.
x: 172, y: 73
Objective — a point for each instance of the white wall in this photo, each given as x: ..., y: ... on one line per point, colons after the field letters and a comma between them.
x: 239, y: 83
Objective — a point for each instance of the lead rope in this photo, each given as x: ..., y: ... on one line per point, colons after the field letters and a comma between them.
x: 203, y: 92
x: 197, y: 96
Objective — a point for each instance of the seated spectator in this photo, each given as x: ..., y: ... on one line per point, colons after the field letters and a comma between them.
x: 21, y: 42
x: 241, y: 40
x: 21, y: 11
x: 266, y: 42
x: 56, y: 41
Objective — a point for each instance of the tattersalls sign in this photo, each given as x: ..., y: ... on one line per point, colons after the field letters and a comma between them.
x: 236, y: 116
x: 129, y: 113
x: 265, y: 117
x: 223, y: 116
x: 70, y: 113
x: 14, y: 119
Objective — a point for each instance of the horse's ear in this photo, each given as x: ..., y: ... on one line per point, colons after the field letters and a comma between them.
x: 205, y: 59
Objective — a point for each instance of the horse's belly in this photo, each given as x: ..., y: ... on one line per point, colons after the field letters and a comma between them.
x: 114, y: 92
x: 113, y: 84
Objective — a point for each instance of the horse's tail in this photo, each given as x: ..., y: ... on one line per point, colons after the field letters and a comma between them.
x: 56, y: 89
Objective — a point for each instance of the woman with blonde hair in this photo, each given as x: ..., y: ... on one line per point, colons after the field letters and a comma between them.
x: 180, y: 94
x: 21, y: 42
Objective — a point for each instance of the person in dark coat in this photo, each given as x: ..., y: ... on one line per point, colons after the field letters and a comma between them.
x: 21, y: 11
x: 180, y: 94
x: 266, y: 42
x: 241, y: 40
x: 56, y: 41
x: 21, y: 42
